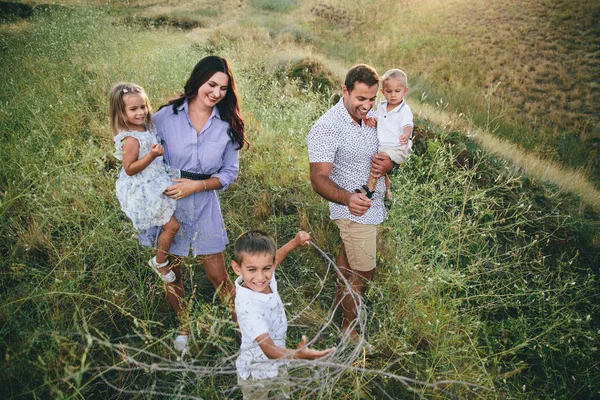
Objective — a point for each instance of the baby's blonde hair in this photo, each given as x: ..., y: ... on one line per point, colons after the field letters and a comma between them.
x: 395, y: 74
x: 116, y: 108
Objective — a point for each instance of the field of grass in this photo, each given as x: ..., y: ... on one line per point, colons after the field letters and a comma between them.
x: 541, y: 58
x: 488, y: 284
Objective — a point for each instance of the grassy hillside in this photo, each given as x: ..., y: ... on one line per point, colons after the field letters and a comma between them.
x: 488, y: 283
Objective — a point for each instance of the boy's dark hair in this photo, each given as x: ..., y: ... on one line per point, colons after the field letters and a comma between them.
x: 253, y: 242
x: 361, y: 73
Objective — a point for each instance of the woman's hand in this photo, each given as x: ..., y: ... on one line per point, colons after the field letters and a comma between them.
x: 182, y: 188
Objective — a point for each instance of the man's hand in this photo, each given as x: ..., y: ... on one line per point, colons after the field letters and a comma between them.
x: 381, y: 164
x: 359, y: 204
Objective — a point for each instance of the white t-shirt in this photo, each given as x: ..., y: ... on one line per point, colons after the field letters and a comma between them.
x: 259, y: 313
x: 390, y: 125
x: 335, y: 138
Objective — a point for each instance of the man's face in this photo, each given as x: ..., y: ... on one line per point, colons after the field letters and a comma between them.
x: 360, y: 101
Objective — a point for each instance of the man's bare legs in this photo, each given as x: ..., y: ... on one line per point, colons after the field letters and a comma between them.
x: 349, y: 302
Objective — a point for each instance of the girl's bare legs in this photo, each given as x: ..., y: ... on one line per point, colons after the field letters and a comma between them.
x: 168, y: 232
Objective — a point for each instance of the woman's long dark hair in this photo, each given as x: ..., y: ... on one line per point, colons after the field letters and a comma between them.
x: 228, y: 107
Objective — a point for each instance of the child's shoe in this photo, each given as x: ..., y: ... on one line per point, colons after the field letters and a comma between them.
x: 180, y: 343
x: 168, y: 277
x: 387, y: 200
x: 365, y: 189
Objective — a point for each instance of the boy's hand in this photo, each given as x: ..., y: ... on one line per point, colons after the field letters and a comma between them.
x: 157, y: 150
x: 371, y: 121
x: 302, y: 238
x: 403, y: 139
x: 305, y: 353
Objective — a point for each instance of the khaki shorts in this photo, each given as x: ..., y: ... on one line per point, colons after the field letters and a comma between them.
x: 262, y: 389
x: 396, y: 153
x: 360, y: 243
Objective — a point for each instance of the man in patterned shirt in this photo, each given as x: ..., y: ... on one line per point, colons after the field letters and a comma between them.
x: 343, y: 154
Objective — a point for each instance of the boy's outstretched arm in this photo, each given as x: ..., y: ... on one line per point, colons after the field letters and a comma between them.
x: 406, y: 133
x: 302, y: 238
x: 272, y: 351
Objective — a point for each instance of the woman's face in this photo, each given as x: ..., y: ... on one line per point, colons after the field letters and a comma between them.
x: 213, y: 90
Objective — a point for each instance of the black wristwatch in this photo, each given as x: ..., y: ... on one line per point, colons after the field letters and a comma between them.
x: 394, y: 168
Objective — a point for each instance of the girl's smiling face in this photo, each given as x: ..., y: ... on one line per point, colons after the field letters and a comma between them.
x: 213, y: 90
x: 136, y: 111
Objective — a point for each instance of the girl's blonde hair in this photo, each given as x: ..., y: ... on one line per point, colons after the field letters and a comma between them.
x: 116, y: 108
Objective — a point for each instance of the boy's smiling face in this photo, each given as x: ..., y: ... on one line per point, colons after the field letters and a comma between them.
x: 256, y: 270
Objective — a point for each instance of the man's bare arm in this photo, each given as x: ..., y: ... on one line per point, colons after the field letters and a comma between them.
x: 324, y: 186
x: 357, y: 203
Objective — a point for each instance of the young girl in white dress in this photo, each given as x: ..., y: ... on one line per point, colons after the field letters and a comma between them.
x: 144, y: 176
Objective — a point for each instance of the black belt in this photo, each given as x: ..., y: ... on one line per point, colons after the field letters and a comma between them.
x: 194, y: 176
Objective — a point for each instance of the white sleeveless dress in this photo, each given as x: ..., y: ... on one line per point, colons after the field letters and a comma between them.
x: 141, y: 195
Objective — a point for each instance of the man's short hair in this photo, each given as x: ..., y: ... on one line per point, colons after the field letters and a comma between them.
x: 362, y: 73
x: 253, y: 242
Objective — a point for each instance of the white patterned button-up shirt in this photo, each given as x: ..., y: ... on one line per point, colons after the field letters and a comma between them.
x: 335, y: 138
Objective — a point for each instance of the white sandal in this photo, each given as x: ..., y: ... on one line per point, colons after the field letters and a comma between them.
x: 168, y: 277
x: 180, y: 343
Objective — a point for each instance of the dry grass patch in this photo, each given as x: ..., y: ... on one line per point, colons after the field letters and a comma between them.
x: 542, y: 54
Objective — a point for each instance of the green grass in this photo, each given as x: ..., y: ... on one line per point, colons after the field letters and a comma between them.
x: 487, y: 277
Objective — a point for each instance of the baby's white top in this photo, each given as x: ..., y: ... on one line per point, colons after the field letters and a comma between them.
x: 391, y: 124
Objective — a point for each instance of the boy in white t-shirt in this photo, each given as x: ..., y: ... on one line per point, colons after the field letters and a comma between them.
x: 260, y: 313
x: 394, y: 123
